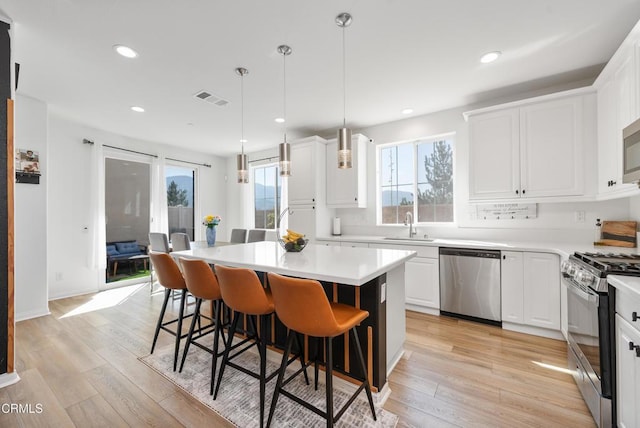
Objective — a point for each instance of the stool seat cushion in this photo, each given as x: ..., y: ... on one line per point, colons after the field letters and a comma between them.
x: 243, y: 292
x: 200, y: 279
x: 346, y: 317
x: 169, y: 275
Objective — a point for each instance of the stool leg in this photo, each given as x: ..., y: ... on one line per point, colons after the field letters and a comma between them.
x: 301, y: 354
x: 315, y: 362
x: 179, y: 330
x: 225, y: 357
x: 281, y: 372
x: 262, y: 347
x: 363, y: 367
x: 329, y: 381
x: 162, y: 311
x: 217, y: 316
x: 196, y: 314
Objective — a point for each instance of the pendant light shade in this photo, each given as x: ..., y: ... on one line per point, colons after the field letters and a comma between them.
x: 242, y: 163
x: 344, y: 134
x: 284, y: 148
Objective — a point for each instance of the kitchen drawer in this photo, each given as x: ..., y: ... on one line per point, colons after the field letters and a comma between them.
x: 421, y: 250
x: 626, y: 305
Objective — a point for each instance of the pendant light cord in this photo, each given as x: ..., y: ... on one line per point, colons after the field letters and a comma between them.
x: 344, y: 79
x: 284, y: 86
x: 242, y: 112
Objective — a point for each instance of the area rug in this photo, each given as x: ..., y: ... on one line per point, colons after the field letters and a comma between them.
x: 238, y: 399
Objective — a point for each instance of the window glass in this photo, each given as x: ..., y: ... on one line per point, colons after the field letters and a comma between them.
x: 267, y: 191
x: 180, y: 182
x: 419, y: 171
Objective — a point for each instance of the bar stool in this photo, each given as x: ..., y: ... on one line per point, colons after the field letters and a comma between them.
x: 203, y: 285
x: 170, y: 277
x: 303, y: 307
x: 243, y: 293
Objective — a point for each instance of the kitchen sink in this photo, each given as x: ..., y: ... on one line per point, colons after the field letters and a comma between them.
x: 406, y: 238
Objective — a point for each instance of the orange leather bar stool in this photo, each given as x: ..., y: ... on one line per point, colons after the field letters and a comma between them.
x: 243, y: 292
x: 170, y: 277
x: 203, y: 285
x: 302, y: 306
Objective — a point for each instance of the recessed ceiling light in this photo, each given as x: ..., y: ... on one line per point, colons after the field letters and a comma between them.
x: 407, y: 111
x: 125, y: 51
x: 490, y: 57
x: 279, y: 119
x: 137, y: 109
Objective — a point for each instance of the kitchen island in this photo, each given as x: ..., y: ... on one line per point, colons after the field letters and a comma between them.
x: 369, y: 278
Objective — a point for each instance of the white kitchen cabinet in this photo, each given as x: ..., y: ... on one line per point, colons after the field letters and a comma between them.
x: 628, y: 373
x: 530, y: 293
x: 617, y: 108
x: 541, y: 290
x: 306, y: 188
x: 347, y: 188
x: 512, y: 284
x: 533, y: 149
x: 422, y: 287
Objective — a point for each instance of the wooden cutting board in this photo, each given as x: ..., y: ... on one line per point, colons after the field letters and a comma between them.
x: 619, y: 233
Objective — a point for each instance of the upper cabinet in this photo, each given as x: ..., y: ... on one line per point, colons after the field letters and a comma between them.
x: 530, y: 149
x: 347, y: 188
x: 618, y: 99
x: 307, y: 171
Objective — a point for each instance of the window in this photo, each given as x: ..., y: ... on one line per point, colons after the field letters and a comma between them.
x: 423, y: 168
x: 180, y: 183
x: 267, y: 191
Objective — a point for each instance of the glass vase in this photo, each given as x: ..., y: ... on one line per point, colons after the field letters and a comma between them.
x: 211, y: 236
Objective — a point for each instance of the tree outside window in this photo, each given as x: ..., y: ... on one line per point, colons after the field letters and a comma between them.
x: 267, y: 191
x: 421, y: 170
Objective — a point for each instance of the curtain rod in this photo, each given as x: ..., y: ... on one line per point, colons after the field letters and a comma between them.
x: 264, y: 159
x: 124, y: 150
x: 192, y: 163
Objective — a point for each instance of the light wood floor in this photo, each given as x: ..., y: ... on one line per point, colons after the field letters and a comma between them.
x: 83, y: 369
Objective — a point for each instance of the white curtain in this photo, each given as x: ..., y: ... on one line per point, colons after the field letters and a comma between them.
x: 98, y: 253
x: 159, y: 216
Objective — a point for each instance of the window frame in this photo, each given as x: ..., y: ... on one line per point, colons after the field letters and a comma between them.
x: 449, y: 136
x: 260, y: 165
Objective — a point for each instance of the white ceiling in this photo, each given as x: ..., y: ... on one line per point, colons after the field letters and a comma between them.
x: 422, y: 54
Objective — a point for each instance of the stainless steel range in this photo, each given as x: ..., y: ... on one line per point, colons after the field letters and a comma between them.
x: 590, y: 311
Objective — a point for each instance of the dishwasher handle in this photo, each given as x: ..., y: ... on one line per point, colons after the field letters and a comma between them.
x: 470, y: 252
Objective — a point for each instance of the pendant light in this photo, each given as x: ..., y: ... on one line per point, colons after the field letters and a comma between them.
x: 344, y: 134
x: 285, y: 147
x: 243, y: 164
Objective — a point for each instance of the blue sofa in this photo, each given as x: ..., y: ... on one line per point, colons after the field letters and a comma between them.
x: 123, y: 251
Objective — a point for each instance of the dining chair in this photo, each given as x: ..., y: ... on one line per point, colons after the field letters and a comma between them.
x: 158, y: 242
x: 180, y: 241
x: 238, y: 236
x: 256, y: 235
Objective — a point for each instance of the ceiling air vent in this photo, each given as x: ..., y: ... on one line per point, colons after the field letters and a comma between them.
x: 211, y: 98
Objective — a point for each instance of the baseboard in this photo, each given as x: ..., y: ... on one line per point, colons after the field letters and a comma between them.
x: 22, y: 316
x: 424, y: 310
x: 8, y: 379
x: 536, y: 331
x: 394, y: 362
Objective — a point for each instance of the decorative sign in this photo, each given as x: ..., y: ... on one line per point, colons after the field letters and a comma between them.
x: 506, y: 211
x: 27, y: 163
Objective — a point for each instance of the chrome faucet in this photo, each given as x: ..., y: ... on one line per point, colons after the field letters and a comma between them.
x: 408, y: 221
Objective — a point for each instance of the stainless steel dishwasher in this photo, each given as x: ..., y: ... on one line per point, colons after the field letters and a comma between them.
x: 470, y: 284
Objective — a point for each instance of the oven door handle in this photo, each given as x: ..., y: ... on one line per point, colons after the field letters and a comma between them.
x: 585, y: 295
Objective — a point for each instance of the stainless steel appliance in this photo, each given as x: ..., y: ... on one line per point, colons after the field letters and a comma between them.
x: 631, y: 152
x: 470, y: 284
x: 590, y: 312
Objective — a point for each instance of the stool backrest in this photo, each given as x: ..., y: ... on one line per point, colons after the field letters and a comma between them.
x: 169, y: 275
x: 200, y: 279
x: 238, y: 236
x: 256, y: 235
x: 303, y: 306
x: 180, y: 241
x: 242, y: 291
x: 159, y: 242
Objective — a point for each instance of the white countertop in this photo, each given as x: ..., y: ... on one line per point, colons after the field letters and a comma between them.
x: 564, y: 250
x: 344, y: 265
x: 630, y: 284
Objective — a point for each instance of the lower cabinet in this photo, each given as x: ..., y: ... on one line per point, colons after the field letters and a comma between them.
x: 422, y: 287
x: 628, y: 373
x: 531, y: 289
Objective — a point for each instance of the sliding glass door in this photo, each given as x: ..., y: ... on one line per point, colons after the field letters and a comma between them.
x: 180, y: 182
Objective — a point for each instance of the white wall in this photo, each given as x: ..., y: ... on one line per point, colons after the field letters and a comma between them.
x: 31, y: 213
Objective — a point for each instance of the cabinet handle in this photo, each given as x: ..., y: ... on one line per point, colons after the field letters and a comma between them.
x: 632, y: 346
x: 638, y: 351
x: 356, y: 199
x: 517, y: 192
x: 313, y: 200
x: 634, y: 316
x: 613, y: 183
x: 504, y: 257
x: 523, y: 191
